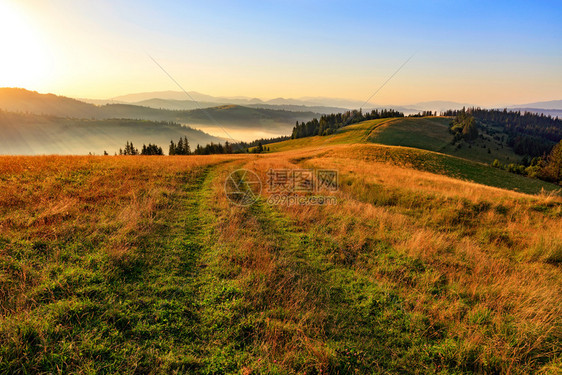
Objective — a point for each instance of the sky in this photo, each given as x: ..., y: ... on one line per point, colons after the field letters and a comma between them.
x: 488, y: 53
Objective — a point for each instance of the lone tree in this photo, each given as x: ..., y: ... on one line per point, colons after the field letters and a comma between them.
x: 464, y: 126
x: 172, y: 148
x: 259, y: 149
x: 552, y: 169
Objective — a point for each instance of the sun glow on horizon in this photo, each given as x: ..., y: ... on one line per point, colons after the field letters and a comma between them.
x: 98, y: 50
x: 25, y: 61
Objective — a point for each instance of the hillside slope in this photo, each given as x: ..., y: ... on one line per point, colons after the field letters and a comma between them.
x: 142, y: 265
x: 432, y: 133
x: 21, y: 100
x: 424, y: 143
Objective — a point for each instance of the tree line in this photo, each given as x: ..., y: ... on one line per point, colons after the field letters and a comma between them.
x: 263, y: 141
x: 423, y: 114
x: 328, y: 124
x: 130, y: 149
x: 182, y: 147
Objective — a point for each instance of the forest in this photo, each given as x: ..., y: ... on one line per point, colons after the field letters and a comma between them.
x: 528, y: 133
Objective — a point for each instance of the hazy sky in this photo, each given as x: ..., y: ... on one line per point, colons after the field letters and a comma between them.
x: 479, y: 52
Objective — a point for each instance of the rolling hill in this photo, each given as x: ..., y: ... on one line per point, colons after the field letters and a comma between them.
x: 433, y: 134
x: 29, y: 134
x: 424, y: 144
x: 551, y: 104
x: 181, y: 105
x: 318, y: 104
x: 239, y: 120
x: 22, y: 100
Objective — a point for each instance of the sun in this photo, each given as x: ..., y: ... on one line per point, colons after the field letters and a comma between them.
x: 24, y: 61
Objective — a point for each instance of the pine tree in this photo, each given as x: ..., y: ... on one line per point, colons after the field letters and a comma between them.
x: 180, y: 147
x: 172, y: 149
x: 552, y: 169
x: 186, y: 148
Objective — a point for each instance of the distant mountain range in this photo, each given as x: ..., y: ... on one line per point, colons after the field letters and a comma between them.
x: 33, y: 123
x: 180, y: 95
x: 273, y: 119
x: 177, y: 100
x: 551, y: 108
x: 440, y: 105
x: 179, y: 105
x: 552, y: 104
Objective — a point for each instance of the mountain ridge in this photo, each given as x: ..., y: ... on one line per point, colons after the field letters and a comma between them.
x: 550, y: 104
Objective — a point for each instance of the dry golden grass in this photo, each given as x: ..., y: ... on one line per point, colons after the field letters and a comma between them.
x: 109, y: 200
x: 410, y: 272
x: 495, y: 253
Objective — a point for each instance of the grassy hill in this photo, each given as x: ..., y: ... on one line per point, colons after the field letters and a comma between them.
x: 413, y: 138
x: 427, y: 133
x: 432, y: 133
x: 142, y: 265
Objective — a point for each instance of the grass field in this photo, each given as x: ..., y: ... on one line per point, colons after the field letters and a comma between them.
x: 142, y: 265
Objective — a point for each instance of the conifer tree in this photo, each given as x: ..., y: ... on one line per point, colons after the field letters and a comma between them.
x: 172, y: 148
x: 180, y: 147
x: 186, y: 148
x: 552, y: 169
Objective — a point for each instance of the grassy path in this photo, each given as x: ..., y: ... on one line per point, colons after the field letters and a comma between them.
x: 277, y: 299
x: 168, y: 289
x: 134, y: 311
